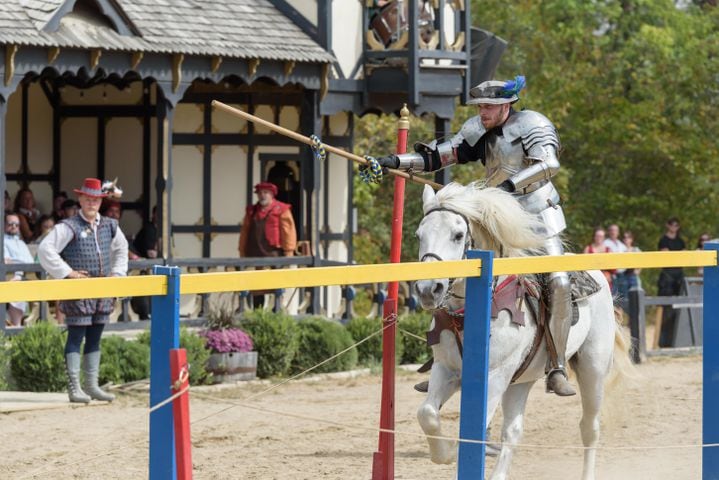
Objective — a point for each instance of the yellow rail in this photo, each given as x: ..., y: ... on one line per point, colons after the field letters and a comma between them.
x: 45, y: 290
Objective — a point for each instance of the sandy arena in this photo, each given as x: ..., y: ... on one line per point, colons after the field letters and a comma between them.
x: 661, y: 408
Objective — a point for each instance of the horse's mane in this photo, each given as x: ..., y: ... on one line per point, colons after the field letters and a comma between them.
x: 495, y: 217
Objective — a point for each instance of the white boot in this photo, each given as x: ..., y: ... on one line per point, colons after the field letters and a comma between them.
x: 91, y: 369
x: 72, y: 367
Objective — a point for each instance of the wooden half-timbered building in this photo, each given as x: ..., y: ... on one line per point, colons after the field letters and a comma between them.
x: 123, y: 88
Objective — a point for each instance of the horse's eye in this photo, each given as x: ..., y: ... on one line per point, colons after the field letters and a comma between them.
x: 458, y: 237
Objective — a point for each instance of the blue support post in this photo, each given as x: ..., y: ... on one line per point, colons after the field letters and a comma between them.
x: 165, y: 335
x: 475, y: 370
x: 710, y: 416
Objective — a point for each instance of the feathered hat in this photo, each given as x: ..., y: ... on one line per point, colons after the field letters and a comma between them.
x: 497, y: 92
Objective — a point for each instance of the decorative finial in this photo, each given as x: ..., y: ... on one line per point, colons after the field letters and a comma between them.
x: 403, y: 123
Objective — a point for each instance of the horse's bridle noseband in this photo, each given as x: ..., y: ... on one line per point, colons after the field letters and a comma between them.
x: 468, y: 243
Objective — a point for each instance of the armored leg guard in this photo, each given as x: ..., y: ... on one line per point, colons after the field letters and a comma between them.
x: 559, y: 324
x: 72, y: 367
x: 91, y: 369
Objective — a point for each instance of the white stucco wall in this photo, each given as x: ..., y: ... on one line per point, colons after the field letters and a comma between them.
x: 347, y: 34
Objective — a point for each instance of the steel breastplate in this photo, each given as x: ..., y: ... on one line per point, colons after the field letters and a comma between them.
x: 503, y: 159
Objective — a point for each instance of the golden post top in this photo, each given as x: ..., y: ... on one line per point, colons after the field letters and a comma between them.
x: 403, y: 123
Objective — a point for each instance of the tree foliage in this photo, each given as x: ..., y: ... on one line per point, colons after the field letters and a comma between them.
x: 631, y: 86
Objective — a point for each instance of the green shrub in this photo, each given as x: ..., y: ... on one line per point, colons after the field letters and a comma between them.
x: 5, y: 376
x: 37, y: 359
x: 370, y: 352
x: 415, y: 350
x: 320, y: 339
x: 123, y: 361
x: 276, y: 339
x: 197, y: 355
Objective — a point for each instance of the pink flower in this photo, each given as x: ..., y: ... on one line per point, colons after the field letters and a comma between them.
x: 227, y: 340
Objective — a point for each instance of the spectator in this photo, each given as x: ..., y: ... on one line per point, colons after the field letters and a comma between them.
x: 28, y: 213
x: 57, y: 201
x: 670, y: 280
x: 8, y: 203
x: 146, y: 245
x: 16, y: 251
x: 615, y: 246
x: 69, y: 208
x: 44, y: 224
x: 704, y: 237
x: 146, y: 242
x: 268, y: 229
x: 598, y: 246
x: 629, y: 278
x: 86, y: 245
x: 111, y: 209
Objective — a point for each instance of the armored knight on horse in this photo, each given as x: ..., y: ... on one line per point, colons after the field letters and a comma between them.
x: 520, y: 151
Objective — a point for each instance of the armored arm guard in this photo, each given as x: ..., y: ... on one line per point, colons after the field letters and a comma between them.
x: 541, y: 144
x: 435, y: 156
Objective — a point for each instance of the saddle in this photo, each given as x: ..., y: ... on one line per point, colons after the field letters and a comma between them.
x: 509, y: 296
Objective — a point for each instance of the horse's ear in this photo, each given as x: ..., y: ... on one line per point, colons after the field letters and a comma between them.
x: 427, y: 197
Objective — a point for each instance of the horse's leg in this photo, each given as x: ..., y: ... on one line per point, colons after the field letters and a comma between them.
x: 513, y: 403
x: 443, y: 383
x: 590, y: 376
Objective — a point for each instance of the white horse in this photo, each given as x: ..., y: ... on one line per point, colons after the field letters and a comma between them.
x: 458, y: 218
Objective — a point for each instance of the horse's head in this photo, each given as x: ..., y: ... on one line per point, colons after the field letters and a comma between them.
x: 444, y: 234
x: 459, y: 217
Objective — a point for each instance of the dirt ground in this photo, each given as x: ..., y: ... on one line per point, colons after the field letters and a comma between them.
x: 660, y: 408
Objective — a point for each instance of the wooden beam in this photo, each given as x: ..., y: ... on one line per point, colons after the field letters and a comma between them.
x: 95, y: 55
x: 289, y: 67
x: 252, y: 66
x: 10, y: 52
x: 325, y: 81
x: 177, y: 60
x: 136, y: 59
x: 215, y: 64
x: 52, y: 54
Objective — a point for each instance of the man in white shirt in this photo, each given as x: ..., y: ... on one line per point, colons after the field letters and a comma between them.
x: 15, y: 251
x: 614, y: 245
x: 86, y: 245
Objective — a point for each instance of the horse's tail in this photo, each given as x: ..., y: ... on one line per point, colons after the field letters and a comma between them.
x: 622, y: 366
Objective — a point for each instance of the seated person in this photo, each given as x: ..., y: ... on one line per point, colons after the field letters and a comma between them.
x: 27, y: 212
x: 15, y: 251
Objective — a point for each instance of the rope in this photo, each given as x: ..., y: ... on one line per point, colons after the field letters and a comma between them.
x: 410, y: 334
x: 318, y: 148
x: 444, y: 437
x: 181, y: 379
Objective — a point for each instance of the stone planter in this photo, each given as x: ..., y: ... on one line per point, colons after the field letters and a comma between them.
x: 233, y: 366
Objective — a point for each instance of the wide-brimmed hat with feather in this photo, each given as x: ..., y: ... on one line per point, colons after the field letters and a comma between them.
x: 496, y: 92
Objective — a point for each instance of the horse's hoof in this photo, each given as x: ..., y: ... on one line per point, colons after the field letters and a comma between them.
x: 557, y: 383
x: 422, y: 387
x: 492, y: 450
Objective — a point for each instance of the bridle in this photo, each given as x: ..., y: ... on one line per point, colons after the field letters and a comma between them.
x: 468, y: 244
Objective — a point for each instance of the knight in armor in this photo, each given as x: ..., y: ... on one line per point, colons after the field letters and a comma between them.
x: 520, y: 153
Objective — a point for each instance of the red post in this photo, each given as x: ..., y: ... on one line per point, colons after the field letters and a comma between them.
x: 383, y: 460
x: 181, y: 413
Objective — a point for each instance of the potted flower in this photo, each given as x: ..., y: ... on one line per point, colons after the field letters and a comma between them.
x: 231, y: 358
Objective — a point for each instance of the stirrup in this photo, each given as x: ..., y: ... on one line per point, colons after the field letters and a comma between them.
x: 564, y: 388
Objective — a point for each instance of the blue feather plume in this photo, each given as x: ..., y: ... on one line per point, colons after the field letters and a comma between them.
x: 513, y: 87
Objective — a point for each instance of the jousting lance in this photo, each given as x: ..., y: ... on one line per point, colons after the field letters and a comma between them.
x: 303, y: 139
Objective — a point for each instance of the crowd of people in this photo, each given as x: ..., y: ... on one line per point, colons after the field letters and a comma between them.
x: 670, y: 281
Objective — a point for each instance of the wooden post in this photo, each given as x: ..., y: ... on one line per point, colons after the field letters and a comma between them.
x: 710, y: 416
x: 383, y: 459
x: 637, y: 325
x: 179, y: 375
x: 475, y: 370
x: 164, y: 336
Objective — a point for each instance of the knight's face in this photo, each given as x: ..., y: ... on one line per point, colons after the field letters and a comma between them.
x: 492, y: 115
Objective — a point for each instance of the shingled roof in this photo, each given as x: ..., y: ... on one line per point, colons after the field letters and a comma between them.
x: 228, y: 28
